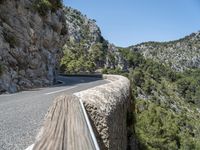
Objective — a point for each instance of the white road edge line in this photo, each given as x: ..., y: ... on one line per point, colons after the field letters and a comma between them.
x: 60, y: 90
x: 88, y: 123
x: 30, y: 147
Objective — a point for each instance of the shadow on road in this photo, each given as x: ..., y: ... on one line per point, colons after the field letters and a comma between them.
x: 64, y: 80
x: 70, y: 80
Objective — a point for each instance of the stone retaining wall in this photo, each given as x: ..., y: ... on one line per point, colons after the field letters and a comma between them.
x: 107, y: 107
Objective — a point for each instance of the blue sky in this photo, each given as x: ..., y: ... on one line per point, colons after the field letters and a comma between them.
x: 128, y: 22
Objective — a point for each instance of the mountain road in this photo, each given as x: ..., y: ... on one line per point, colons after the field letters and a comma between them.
x: 22, y: 113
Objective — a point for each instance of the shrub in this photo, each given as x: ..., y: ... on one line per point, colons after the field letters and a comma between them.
x: 104, y: 71
x: 113, y: 71
x: 89, y: 66
x: 159, y: 128
x: 97, y: 52
x: 42, y: 6
x: 134, y: 59
x: 137, y: 77
x: 55, y: 4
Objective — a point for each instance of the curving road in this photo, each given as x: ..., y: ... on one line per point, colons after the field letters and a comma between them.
x: 21, y: 114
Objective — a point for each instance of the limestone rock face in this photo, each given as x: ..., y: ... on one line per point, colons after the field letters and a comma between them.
x: 181, y: 54
x: 86, y: 39
x: 81, y: 28
x: 115, y: 59
x: 30, y: 45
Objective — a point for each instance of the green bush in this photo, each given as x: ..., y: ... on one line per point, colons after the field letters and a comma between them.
x: 189, y: 86
x: 117, y: 70
x: 134, y: 59
x: 78, y: 58
x: 97, y: 53
x: 43, y: 6
x: 56, y: 4
x: 74, y: 62
x: 137, y: 77
x: 159, y: 128
x: 152, y: 129
x: 89, y: 66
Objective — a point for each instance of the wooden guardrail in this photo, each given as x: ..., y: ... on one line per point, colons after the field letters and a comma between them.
x: 66, y: 127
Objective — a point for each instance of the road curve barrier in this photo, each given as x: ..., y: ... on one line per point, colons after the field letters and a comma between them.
x: 88, y: 120
x: 107, y: 107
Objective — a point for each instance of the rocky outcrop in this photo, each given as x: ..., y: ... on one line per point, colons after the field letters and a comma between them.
x: 81, y: 28
x: 115, y: 59
x: 180, y: 55
x: 86, y: 49
x: 107, y: 106
x: 29, y: 45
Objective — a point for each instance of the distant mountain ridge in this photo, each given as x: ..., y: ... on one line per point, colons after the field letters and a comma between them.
x: 179, y: 54
x: 85, y: 35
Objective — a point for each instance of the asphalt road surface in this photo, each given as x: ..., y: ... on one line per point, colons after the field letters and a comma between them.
x: 22, y: 114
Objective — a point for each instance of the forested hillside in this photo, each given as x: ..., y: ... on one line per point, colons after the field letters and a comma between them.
x: 166, y: 103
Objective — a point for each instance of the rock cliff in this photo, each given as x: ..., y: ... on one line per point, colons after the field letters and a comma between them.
x: 86, y: 49
x: 30, y: 44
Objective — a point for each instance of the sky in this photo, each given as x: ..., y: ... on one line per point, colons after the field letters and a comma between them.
x: 129, y: 22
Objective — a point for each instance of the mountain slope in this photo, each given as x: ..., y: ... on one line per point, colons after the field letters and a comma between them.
x: 167, y: 107
x: 180, y: 54
x: 86, y: 49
